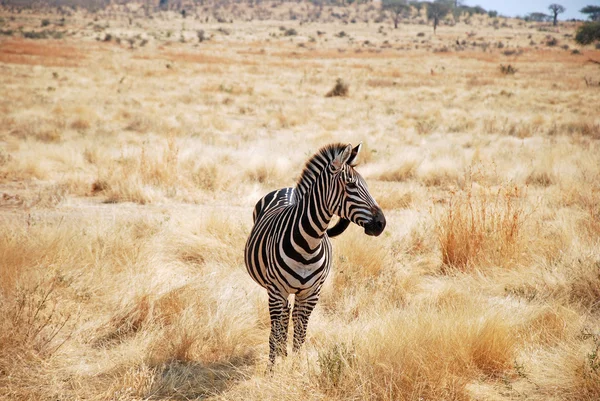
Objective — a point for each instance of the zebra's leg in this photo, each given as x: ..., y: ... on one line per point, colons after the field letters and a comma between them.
x: 279, y: 310
x: 303, y: 307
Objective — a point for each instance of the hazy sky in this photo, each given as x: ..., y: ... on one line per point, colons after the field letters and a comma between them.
x: 513, y: 8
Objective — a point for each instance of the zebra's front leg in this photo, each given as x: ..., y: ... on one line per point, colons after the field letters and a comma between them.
x: 279, y: 310
x: 303, y: 307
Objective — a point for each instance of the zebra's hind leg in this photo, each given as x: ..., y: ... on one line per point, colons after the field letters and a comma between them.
x: 303, y: 307
x: 279, y: 310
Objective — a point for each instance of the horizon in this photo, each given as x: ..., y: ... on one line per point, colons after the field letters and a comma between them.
x: 514, y: 8
x: 517, y: 8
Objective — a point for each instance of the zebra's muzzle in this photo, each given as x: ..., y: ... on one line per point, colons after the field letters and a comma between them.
x: 377, y: 224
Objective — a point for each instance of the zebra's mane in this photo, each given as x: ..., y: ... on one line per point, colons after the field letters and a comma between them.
x: 315, y: 165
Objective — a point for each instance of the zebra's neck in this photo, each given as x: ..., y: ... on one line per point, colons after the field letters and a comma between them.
x: 314, y: 219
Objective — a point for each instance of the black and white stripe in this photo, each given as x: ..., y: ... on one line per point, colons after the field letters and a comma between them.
x: 289, y: 252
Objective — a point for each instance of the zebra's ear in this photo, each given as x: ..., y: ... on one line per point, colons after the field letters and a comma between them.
x: 353, y: 160
x: 342, y: 157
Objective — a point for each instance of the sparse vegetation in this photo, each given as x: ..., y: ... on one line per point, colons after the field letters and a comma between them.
x: 507, y: 69
x: 396, y: 8
x: 340, y: 89
x: 133, y: 150
x: 588, y: 33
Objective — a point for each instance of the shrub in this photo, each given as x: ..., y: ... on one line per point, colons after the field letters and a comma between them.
x: 507, y: 69
x: 35, y: 35
x: 340, y: 89
x: 45, y: 22
x: 290, y: 32
x: 588, y: 33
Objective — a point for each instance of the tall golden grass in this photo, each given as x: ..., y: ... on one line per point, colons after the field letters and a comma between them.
x: 128, y: 174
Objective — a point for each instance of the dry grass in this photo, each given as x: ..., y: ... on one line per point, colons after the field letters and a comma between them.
x: 128, y: 174
x: 484, y: 228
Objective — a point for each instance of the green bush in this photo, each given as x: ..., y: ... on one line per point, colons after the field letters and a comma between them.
x: 588, y: 33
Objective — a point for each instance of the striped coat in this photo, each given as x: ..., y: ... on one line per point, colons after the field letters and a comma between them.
x: 289, y: 251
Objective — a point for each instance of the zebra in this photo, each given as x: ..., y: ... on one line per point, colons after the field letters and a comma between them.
x: 288, y: 250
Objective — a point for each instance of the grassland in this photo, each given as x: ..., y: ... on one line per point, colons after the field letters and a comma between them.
x: 132, y: 153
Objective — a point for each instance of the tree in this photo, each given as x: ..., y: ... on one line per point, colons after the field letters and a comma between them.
x: 436, y: 11
x: 416, y: 4
x: 396, y: 8
x: 537, y: 17
x: 588, y: 33
x: 593, y: 11
x: 556, y: 9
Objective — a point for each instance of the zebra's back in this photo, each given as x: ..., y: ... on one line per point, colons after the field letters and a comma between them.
x: 273, y: 258
x: 278, y: 198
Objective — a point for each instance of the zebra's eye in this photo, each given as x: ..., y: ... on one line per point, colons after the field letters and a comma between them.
x: 351, y: 184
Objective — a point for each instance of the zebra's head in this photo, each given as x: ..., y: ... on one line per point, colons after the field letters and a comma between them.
x: 350, y: 195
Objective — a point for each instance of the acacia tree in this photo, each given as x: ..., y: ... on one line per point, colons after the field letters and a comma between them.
x: 556, y: 9
x: 396, y: 8
x: 593, y: 11
x: 436, y: 11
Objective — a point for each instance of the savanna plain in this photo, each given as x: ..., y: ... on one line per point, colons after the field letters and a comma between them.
x: 134, y: 146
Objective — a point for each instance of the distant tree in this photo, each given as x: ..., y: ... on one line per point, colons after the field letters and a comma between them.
x: 537, y: 17
x: 163, y: 4
x: 469, y: 10
x: 556, y: 9
x: 396, y: 8
x: 593, y: 11
x: 436, y: 11
x: 492, y: 13
x: 416, y: 4
x: 588, y: 33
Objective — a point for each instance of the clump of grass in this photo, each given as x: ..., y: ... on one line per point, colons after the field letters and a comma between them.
x: 142, y: 178
x: 33, y: 329
x: 396, y: 199
x: 507, y: 69
x: 540, y: 178
x: 340, y: 89
x: 432, y: 353
x: 482, y: 228
x: 426, y: 125
x: 207, y: 176
x: 334, y: 362
x: 404, y: 172
x: 126, y: 322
